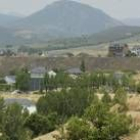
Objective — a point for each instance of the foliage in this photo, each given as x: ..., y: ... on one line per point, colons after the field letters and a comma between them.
x: 120, y: 96
x: 66, y: 102
x: 78, y: 129
x: 61, y: 80
x: 99, y: 124
x: 106, y: 98
x: 12, y: 120
x: 82, y: 66
x: 22, y: 80
x: 40, y: 124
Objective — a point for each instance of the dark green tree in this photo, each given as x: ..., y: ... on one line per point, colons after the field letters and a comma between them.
x: 22, y: 80
x: 13, y: 124
x: 82, y: 66
x: 40, y: 124
x: 99, y: 123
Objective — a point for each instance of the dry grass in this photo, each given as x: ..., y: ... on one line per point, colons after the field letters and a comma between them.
x: 50, y: 136
x: 32, y: 97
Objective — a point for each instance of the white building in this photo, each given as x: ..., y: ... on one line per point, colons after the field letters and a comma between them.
x: 135, y: 50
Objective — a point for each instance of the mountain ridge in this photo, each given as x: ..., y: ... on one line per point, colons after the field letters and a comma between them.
x: 67, y: 18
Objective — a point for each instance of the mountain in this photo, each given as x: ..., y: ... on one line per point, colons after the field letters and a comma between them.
x: 67, y: 18
x: 6, y: 19
x: 132, y: 21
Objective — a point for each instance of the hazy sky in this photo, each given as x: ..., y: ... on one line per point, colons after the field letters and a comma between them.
x: 116, y: 8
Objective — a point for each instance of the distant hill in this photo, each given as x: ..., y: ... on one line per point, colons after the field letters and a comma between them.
x: 67, y: 18
x: 110, y: 35
x: 64, y: 24
x: 132, y: 21
x: 6, y: 20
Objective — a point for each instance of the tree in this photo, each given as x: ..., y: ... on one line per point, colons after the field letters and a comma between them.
x: 22, y: 80
x: 82, y: 66
x: 13, y: 124
x: 120, y: 97
x: 78, y: 129
x: 66, y: 102
x: 99, y: 123
x: 40, y: 124
x: 106, y: 98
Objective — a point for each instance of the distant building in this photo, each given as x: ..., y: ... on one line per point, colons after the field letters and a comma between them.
x: 25, y: 103
x: 135, y: 50
x: 10, y: 80
x: 37, y: 78
x: 118, y: 50
x: 7, y: 52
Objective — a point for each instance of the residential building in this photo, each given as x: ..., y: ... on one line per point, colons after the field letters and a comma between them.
x: 10, y: 80
x: 118, y: 50
x: 37, y: 78
x: 135, y: 50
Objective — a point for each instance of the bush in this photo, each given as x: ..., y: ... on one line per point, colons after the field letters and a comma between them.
x: 65, y: 103
x: 99, y: 124
x: 40, y: 124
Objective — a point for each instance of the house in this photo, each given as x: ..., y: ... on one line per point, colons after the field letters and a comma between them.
x: 25, y: 103
x: 135, y: 50
x: 118, y: 50
x: 37, y: 78
x: 10, y: 80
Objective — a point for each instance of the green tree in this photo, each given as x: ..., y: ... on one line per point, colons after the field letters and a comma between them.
x: 82, y: 66
x: 99, y: 123
x: 66, y: 102
x: 78, y: 129
x: 106, y: 98
x: 22, y: 80
x: 40, y: 124
x: 120, y: 96
x: 13, y: 126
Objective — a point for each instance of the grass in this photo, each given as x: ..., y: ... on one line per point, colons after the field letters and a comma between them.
x: 32, y: 97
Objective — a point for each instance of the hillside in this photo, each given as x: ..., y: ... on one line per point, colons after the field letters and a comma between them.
x: 106, y: 36
x: 66, y: 18
x: 65, y: 24
x: 132, y: 21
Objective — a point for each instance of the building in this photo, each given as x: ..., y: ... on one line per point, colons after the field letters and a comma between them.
x: 118, y: 50
x: 25, y: 103
x: 37, y: 78
x: 10, y: 80
x: 135, y: 50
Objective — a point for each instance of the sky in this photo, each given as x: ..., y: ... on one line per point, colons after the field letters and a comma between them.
x: 119, y: 9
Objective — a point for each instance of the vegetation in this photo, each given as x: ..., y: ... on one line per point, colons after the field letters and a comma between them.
x: 82, y: 66
x: 12, y: 122
x: 75, y: 106
x: 22, y: 80
x: 99, y: 124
